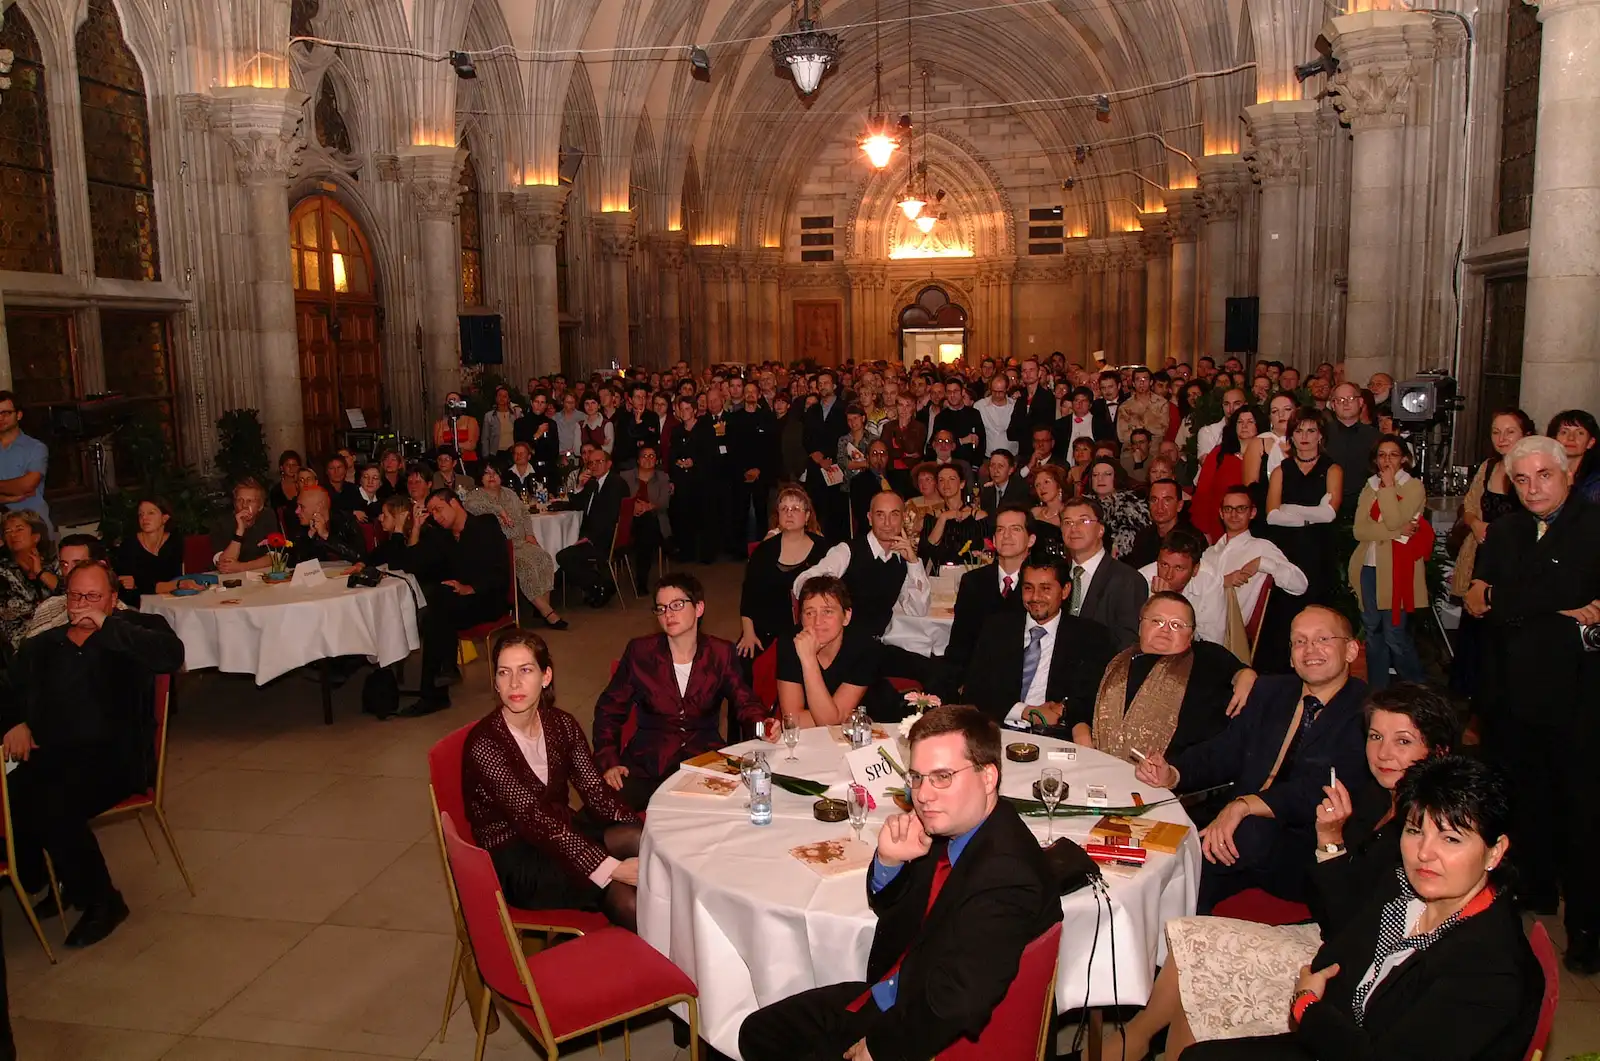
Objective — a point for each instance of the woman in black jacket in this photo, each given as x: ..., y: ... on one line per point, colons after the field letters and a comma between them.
x: 1435, y: 965
x: 766, y: 607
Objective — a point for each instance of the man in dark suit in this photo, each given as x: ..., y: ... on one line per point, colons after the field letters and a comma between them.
x: 1105, y: 407
x: 1537, y: 585
x: 467, y: 581
x: 1038, y: 670
x: 753, y: 459
x: 992, y: 588
x: 1167, y: 514
x: 543, y: 437
x: 1109, y: 592
x: 822, y: 427
x: 1277, y: 754
x: 960, y: 888
x: 600, y: 496
x: 1034, y: 407
x: 1005, y: 486
x: 867, y: 484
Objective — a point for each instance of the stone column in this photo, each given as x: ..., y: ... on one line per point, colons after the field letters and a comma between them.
x: 1133, y: 298
x: 433, y: 176
x: 771, y: 274
x: 540, y: 214
x: 1561, y: 340
x: 669, y: 250
x: 1282, y: 132
x: 1075, y: 293
x: 714, y: 281
x: 1157, y: 287
x: 615, y: 237
x: 1183, y: 222
x: 1381, y: 54
x: 262, y: 126
x: 1223, y: 182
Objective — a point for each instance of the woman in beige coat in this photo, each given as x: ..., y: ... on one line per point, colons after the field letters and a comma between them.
x: 1389, y: 566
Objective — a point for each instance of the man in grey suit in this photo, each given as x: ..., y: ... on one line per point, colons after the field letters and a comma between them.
x: 1105, y: 590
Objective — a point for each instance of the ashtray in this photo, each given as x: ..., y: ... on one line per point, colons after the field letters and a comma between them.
x: 1040, y: 796
x: 830, y: 810
x: 232, y: 583
x: 1022, y: 752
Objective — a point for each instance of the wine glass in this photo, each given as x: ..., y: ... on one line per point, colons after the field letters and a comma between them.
x: 791, y: 735
x: 856, y: 800
x: 1050, y: 793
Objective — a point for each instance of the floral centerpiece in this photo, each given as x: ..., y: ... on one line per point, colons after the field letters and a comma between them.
x: 972, y: 558
x: 920, y: 703
x: 278, y: 550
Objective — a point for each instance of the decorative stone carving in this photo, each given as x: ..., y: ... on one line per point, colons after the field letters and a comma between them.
x: 539, y: 212
x: 433, y: 177
x: 669, y: 249
x: 1282, y: 134
x: 264, y: 128
x: 386, y: 167
x: 615, y: 236
x: 867, y: 277
x: 1374, y: 97
x: 195, y: 111
x: 1381, y: 55
x: 1222, y: 186
x: 1183, y: 215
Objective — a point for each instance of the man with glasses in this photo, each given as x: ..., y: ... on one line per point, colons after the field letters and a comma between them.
x: 74, y: 549
x: 1296, y: 734
x: 1245, y: 561
x: 960, y: 887
x: 674, y: 684
x: 82, y: 724
x: 1168, y: 693
x: 1349, y: 443
x: 465, y: 572
x: 600, y: 497
x: 23, y: 463
x: 1105, y: 590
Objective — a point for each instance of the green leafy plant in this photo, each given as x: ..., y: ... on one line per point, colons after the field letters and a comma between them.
x: 241, y: 447
x: 143, y: 444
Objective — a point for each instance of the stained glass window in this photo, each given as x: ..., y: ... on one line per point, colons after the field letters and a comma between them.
x: 1519, y: 117
x: 28, y: 239
x: 471, y: 238
x: 116, y: 146
x: 332, y: 133
x: 326, y: 253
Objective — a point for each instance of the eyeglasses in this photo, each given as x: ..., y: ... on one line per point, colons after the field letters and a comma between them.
x: 1081, y: 521
x: 85, y: 598
x: 936, y: 778
x: 1300, y: 644
x: 1236, y: 510
x: 671, y: 606
x: 1177, y: 626
x: 1345, y: 399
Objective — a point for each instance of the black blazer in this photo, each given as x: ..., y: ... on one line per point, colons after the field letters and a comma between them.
x: 1104, y: 420
x: 600, y: 518
x: 959, y: 959
x: 479, y: 557
x: 977, y: 598
x: 1082, y: 650
x: 1026, y: 415
x: 991, y: 497
x: 1113, y: 599
x: 821, y: 434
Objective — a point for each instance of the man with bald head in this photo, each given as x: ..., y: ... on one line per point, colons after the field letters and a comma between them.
x: 325, y: 534
x: 82, y: 723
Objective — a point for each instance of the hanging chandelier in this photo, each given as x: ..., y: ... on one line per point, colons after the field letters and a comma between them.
x: 925, y: 223
x: 911, y: 203
x: 880, y: 140
x: 911, y: 206
x: 805, y: 52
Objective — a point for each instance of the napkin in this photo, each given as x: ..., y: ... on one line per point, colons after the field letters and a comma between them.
x: 834, y: 858
x: 694, y: 783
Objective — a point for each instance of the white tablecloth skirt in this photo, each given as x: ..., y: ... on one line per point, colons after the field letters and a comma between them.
x: 723, y: 899
x: 922, y: 634
x: 556, y: 530
x: 274, y: 629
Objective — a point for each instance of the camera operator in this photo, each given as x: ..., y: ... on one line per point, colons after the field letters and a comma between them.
x: 458, y: 430
x: 1537, y: 582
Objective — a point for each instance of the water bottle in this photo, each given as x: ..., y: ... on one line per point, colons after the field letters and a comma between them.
x: 541, y: 495
x: 760, y: 791
x: 859, y: 729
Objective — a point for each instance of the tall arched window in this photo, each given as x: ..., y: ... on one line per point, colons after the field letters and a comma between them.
x: 116, y: 148
x: 28, y: 239
x: 471, y: 238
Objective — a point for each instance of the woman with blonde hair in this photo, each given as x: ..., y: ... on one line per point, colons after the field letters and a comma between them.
x: 1389, y: 566
x: 794, y: 544
x: 1050, y: 487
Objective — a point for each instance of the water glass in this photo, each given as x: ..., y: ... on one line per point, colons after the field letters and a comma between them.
x: 1050, y: 794
x: 856, y: 800
x: 791, y: 736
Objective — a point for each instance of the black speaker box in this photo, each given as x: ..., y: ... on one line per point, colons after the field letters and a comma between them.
x: 480, y: 339
x: 1241, y: 332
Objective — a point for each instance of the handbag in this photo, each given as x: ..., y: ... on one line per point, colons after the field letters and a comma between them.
x: 1071, y: 868
x: 380, y: 693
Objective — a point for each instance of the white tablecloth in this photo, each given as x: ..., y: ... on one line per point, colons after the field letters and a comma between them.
x: 274, y: 629
x: 922, y: 634
x: 556, y: 530
x: 723, y: 899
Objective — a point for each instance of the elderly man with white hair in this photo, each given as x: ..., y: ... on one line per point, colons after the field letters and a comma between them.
x: 1537, y: 582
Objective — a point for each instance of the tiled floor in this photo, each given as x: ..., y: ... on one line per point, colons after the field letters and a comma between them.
x: 320, y: 931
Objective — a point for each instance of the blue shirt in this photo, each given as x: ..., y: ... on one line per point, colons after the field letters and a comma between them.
x: 883, y: 992
x: 27, y: 454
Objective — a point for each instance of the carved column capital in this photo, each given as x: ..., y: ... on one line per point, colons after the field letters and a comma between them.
x: 1282, y: 133
x: 263, y: 127
x: 433, y: 177
x: 1382, y: 55
x: 614, y: 232
x: 540, y: 212
x: 1077, y: 257
x: 669, y: 249
x: 1155, y: 241
x: 1223, y: 180
x: 1183, y: 215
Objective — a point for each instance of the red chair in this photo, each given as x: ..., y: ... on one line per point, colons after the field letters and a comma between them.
x: 1020, y: 1027
x: 1252, y: 628
x: 1545, y: 951
x: 370, y: 532
x: 764, y: 676
x: 620, y: 558
x: 197, y: 554
x: 1263, y: 908
x: 582, y: 986
x: 153, y: 800
x: 448, y: 796
x: 750, y: 549
x: 512, y: 617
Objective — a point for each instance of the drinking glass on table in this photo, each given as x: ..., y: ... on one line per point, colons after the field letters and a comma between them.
x: 1050, y: 794
x: 857, y: 802
x: 791, y: 735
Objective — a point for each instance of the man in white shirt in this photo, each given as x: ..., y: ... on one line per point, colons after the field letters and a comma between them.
x: 995, y: 412
x: 1244, y: 561
x: 1210, y: 436
x: 880, y: 568
x: 1181, y: 568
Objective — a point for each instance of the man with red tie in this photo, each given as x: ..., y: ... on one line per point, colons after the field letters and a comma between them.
x: 992, y: 588
x: 960, y: 888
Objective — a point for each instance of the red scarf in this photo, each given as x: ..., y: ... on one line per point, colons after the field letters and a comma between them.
x: 1403, y: 558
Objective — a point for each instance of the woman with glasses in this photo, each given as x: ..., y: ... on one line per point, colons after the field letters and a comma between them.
x: 1389, y: 566
x: 673, y: 685
x: 28, y: 573
x: 794, y: 544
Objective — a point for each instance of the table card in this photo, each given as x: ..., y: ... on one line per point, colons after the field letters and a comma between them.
x: 834, y: 858
x: 307, y: 573
x: 871, y: 770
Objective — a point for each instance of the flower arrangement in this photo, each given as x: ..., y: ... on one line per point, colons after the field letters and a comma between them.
x: 278, y: 549
x: 920, y: 703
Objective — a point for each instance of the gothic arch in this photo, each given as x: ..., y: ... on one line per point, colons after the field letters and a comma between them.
x: 976, y: 200
x: 906, y: 293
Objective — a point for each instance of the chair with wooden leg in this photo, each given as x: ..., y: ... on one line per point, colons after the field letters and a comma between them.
x: 10, y: 870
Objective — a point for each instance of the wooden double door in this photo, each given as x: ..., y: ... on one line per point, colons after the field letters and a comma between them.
x: 338, y: 321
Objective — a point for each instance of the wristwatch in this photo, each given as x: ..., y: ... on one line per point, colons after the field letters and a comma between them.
x: 1333, y: 849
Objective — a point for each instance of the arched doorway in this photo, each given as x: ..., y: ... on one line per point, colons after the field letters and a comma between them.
x: 338, y: 321
x: 933, y: 327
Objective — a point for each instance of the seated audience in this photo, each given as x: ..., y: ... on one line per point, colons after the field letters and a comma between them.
x: 1136, y: 458
x: 795, y: 544
x: 343, y: 492
x: 1276, y: 754
x: 1050, y: 488
x: 942, y: 450
x: 74, y: 549
x: 828, y: 668
x: 326, y: 535
x: 399, y: 543
x: 1038, y: 670
x: 393, y: 469
x: 1167, y: 514
x: 535, y: 568
x: 1123, y: 510
x: 992, y: 588
x: 1004, y: 485
x: 1043, y: 454
x: 448, y: 475
x: 1435, y: 964
x: 521, y: 477
x: 960, y: 888
x: 600, y: 497
x: 880, y: 569
x: 466, y: 579
x: 1169, y: 692
x: 650, y: 495
x: 1179, y: 568
x: 1389, y: 566
x: 869, y: 481
x: 151, y: 559
x: 519, y: 763
x: 82, y: 722
x: 239, y: 541
x: 1108, y: 592
x: 673, y: 684
x: 957, y: 528
x: 1244, y: 563
x: 366, y: 501
x: 287, y: 488
x: 1226, y: 979
x: 28, y: 574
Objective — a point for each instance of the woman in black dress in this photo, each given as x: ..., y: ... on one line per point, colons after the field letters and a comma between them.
x: 766, y: 611
x: 151, y: 560
x: 957, y: 528
x: 1302, y: 502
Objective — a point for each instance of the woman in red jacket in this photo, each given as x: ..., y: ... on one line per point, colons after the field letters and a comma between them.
x: 1223, y: 468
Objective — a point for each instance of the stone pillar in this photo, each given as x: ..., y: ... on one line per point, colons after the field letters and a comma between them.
x: 1381, y: 55
x: 1183, y: 222
x: 771, y: 274
x: 262, y: 126
x: 1075, y: 293
x: 540, y: 214
x: 714, y: 282
x: 433, y: 176
x: 1223, y: 182
x: 1561, y: 340
x: 669, y: 249
x: 1094, y: 302
x: 1282, y: 132
x: 1133, y: 298
x: 1157, y: 288
x: 615, y: 237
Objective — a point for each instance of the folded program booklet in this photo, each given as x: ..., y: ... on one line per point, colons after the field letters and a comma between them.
x: 1165, y: 837
x: 713, y: 762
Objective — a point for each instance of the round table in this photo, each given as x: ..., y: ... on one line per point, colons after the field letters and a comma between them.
x: 926, y: 635
x: 725, y: 901
x: 555, y: 530
x: 269, y: 630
